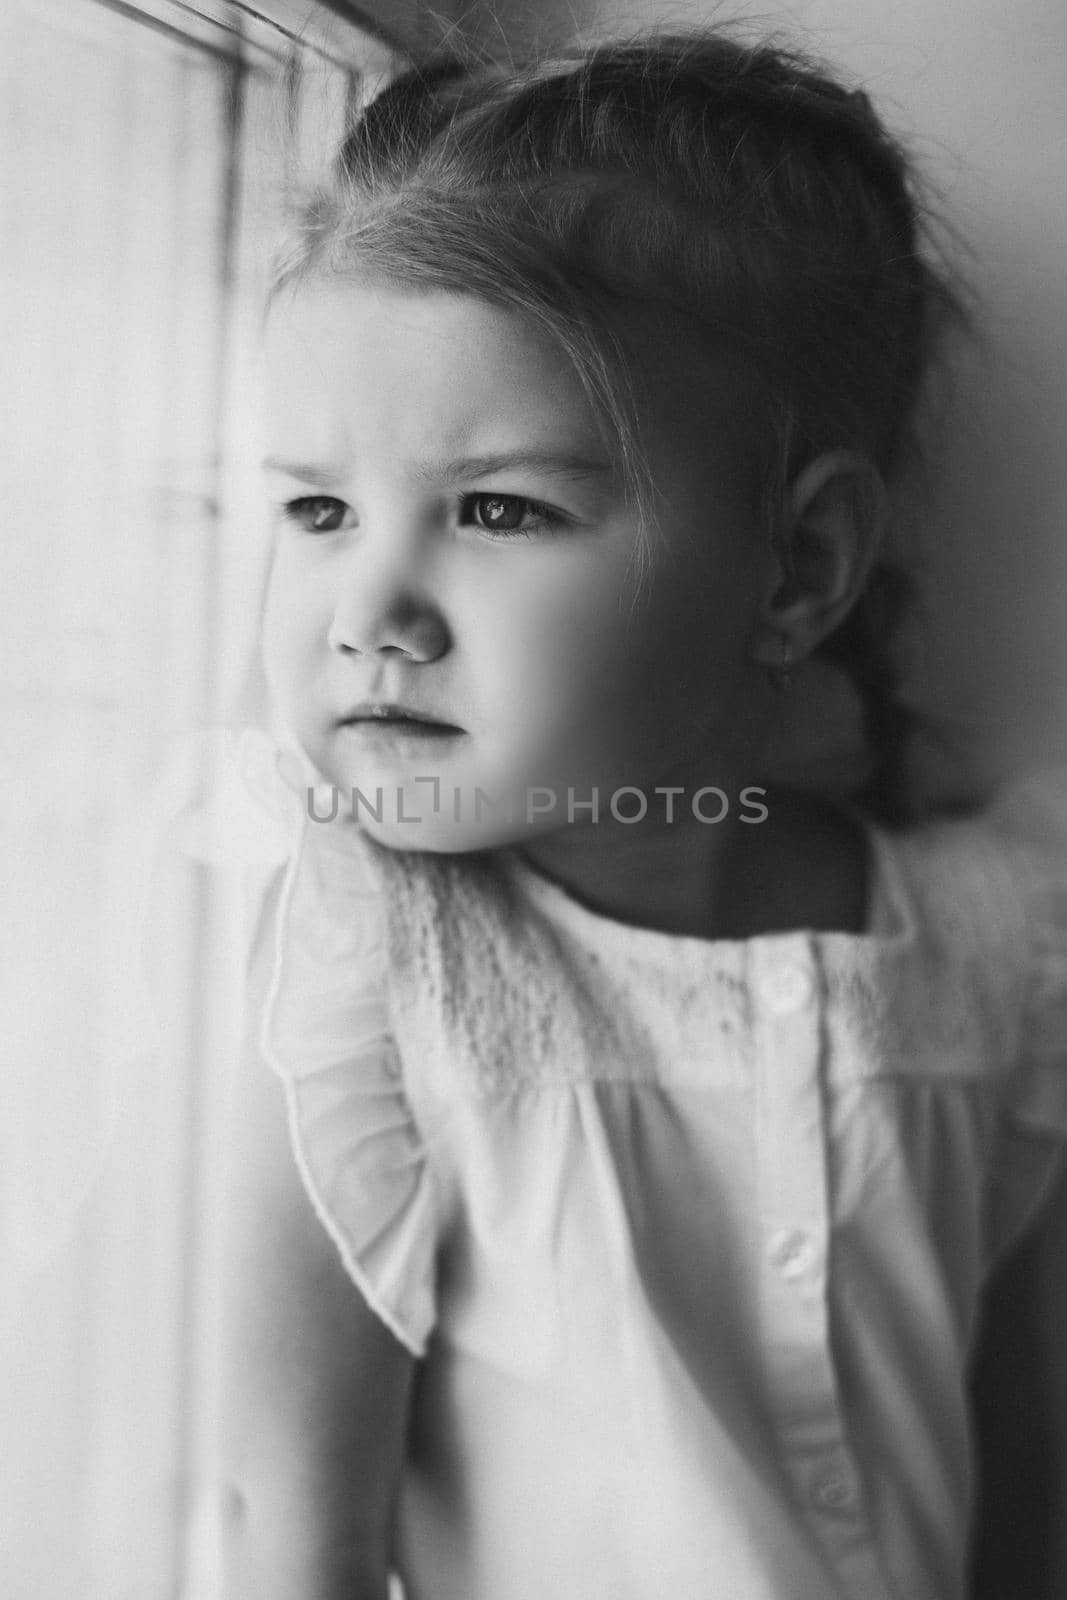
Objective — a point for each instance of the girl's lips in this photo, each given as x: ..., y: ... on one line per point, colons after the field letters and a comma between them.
x: 397, y: 730
x: 391, y: 712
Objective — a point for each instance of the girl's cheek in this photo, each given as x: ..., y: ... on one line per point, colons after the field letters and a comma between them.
x: 287, y: 614
x: 285, y: 640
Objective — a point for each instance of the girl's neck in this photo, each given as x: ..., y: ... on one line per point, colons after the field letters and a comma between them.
x: 804, y: 866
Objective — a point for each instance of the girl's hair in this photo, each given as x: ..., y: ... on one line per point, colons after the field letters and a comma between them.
x: 738, y: 185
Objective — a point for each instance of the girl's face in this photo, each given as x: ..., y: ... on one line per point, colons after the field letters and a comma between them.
x: 453, y: 540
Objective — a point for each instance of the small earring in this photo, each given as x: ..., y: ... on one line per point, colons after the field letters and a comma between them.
x: 782, y: 675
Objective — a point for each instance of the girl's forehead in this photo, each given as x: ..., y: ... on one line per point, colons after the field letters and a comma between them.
x: 389, y: 354
x: 357, y: 322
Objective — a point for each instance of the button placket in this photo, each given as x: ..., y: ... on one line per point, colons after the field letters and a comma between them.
x: 790, y: 1139
x: 794, y: 1205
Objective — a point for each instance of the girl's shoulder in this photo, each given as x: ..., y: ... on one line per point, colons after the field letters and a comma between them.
x: 1021, y: 835
x: 1000, y: 864
x: 1010, y: 856
x: 992, y: 882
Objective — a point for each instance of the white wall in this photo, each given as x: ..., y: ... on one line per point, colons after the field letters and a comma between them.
x: 977, y: 88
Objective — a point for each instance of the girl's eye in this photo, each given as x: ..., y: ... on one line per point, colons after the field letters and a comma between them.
x: 315, y: 513
x: 504, y: 514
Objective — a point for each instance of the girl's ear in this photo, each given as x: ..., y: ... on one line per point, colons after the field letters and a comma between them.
x: 836, y: 517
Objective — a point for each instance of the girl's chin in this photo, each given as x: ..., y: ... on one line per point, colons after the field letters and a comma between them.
x: 421, y: 813
x: 441, y: 818
x: 439, y: 835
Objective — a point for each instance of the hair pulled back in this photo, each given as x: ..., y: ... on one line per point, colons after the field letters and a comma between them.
x: 739, y: 185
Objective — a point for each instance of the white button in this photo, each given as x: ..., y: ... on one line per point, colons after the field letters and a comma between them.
x: 792, y: 1251
x: 835, y: 1492
x: 788, y: 988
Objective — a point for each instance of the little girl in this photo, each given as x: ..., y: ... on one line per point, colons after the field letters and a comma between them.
x: 662, y: 1113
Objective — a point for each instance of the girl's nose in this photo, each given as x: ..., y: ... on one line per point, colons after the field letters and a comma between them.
x: 384, y: 611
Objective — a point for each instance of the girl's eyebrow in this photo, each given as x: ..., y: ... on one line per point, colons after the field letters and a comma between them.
x: 559, y: 464
x: 556, y: 464
x: 317, y: 472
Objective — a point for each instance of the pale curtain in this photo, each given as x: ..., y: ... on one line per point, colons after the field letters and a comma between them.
x: 145, y: 151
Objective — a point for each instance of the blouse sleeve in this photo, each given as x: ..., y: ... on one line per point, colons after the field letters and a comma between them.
x: 326, y: 1032
x: 1028, y: 816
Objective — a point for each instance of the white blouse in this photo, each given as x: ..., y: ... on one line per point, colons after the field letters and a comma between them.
x: 689, y: 1234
